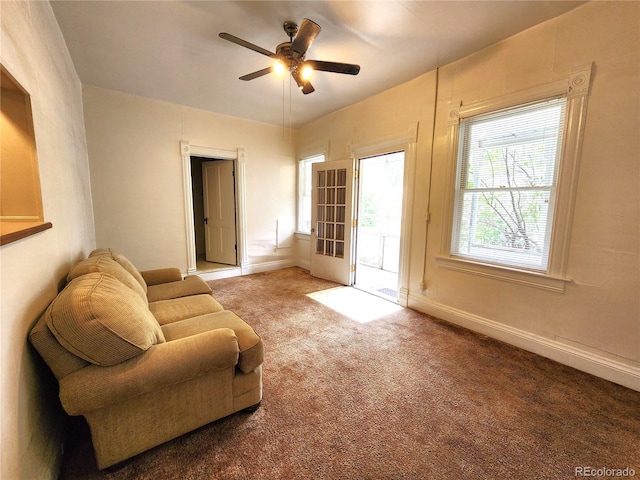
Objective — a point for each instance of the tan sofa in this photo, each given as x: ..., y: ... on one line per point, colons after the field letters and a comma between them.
x: 145, y: 356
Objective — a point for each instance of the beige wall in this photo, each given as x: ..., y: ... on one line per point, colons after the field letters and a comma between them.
x: 31, y: 269
x: 594, y: 325
x: 137, y: 186
x: 381, y: 119
x: 137, y: 193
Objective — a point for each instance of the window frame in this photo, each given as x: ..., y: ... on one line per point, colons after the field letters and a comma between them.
x: 307, y: 159
x: 549, y: 187
x: 576, y: 88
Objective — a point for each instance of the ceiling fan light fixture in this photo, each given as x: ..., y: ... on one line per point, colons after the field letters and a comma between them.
x: 306, y: 72
x: 296, y: 73
x: 279, y: 68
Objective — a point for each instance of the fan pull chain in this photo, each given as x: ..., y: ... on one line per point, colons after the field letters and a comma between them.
x: 284, y: 127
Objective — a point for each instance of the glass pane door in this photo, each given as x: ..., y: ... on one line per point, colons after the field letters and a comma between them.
x: 331, y: 224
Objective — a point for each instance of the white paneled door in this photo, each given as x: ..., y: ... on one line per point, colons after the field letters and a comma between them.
x: 219, y: 211
x: 332, y: 221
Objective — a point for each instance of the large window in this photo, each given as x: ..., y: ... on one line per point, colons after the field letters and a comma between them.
x: 514, y: 163
x: 304, y: 192
x: 506, y: 184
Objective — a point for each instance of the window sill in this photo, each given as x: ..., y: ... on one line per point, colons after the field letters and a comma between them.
x: 14, y: 231
x: 521, y: 277
x: 303, y: 236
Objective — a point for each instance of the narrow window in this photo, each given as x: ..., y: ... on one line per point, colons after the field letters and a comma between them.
x: 304, y: 192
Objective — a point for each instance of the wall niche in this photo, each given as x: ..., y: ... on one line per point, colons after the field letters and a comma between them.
x: 21, y: 212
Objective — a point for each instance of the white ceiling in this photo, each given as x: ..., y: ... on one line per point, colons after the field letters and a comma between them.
x: 170, y: 50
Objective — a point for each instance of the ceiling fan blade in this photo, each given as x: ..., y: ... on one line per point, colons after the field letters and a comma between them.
x: 244, y: 43
x: 335, y: 67
x: 259, y: 73
x: 307, y: 88
x: 307, y: 32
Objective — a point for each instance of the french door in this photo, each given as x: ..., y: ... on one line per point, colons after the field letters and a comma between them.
x: 332, y: 221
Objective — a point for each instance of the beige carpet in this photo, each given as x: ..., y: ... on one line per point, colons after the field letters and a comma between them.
x: 401, y: 396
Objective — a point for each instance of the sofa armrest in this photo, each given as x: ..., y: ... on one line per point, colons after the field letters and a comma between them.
x: 191, y: 285
x: 161, y: 275
x: 161, y: 366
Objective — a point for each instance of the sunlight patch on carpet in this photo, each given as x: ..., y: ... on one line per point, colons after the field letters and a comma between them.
x: 355, y: 304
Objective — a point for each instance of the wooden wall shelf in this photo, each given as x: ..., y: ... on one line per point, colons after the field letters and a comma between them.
x: 12, y: 232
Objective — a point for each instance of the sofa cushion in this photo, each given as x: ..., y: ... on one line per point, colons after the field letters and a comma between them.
x: 101, y: 320
x: 105, y: 264
x: 249, y: 343
x: 124, y: 261
x: 176, y: 309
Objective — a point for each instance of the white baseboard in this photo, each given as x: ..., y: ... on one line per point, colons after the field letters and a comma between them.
x: 221, y: 273
x: 267, y: 266
x: 247, y: 269
x: 612, y: 370
x: 306, y: 264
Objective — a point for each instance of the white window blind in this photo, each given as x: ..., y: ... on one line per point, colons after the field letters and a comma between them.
x: 506, y: 184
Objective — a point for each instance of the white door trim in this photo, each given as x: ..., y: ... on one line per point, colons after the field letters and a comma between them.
x: 238, y: 156
x: 406, y: 141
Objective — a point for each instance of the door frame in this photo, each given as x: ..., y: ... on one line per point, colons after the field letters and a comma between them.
x: 406, y: 141
x: 238, y: 156
x: 357, y: 211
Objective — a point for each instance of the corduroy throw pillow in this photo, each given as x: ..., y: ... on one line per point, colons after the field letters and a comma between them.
x: 105, y: 264
x: 124, y: 261
x: 101, y: 320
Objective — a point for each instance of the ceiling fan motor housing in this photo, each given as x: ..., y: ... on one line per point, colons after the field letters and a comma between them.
x: 283, y: 52
x: 290, y: 28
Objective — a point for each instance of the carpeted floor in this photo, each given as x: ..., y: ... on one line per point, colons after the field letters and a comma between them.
x: 405, y: 396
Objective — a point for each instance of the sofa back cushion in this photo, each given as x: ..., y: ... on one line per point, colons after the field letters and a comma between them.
x: 61, y: 361
x: 102, y: 321
x: 105, y: 264
x: 124, y: 262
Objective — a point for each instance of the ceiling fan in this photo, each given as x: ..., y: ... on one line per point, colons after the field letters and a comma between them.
x: 291, y: 55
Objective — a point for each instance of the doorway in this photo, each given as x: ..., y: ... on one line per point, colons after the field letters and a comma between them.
x: 214, y: 213
x: 379, y: 214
